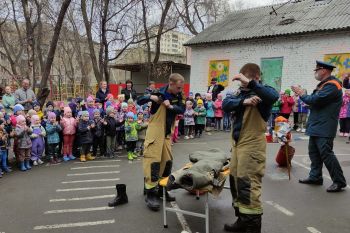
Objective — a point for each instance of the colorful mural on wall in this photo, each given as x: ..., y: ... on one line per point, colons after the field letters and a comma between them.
x: 271, y: 69
x: 219, y: 69
x: 341, y: 61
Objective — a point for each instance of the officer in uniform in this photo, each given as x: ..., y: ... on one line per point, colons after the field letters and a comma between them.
x: 325, y: 103
x: 167, y: 102
x: 252, y: 108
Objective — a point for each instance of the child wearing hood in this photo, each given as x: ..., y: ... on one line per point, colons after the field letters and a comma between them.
x: 189, y: 120
x: 218, y: 112
x: 37, y: 108
x: 53, y: 139
x: 24, y: 143
x: 209, y: 106
x: 69, y: 125
x: 38, y: 143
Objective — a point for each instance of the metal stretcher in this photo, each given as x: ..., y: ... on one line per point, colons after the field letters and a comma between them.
x: 163, y: 183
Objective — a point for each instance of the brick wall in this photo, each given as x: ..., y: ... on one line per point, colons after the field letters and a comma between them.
x: 299, y: 54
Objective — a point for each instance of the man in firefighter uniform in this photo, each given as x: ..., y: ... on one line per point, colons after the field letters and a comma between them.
x: 252, y: 108
x: 167, y: 102
x: 325, y: 103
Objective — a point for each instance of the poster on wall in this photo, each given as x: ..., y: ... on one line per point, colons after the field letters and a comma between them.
x: 341, y: 61
x: 219, y: 69
x: 271, y: 69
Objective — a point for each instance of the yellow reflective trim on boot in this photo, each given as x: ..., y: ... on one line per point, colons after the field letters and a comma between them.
x: 90, y: 157
x: 151, y: 186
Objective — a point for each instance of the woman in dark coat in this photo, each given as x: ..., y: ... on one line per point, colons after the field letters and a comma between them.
x: 129, y: 91
x: 102, y: 92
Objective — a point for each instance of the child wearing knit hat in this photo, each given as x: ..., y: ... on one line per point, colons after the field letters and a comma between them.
x: 68, y: 124
x: 24, y: 144
x: 53, y: 138
x: 38, y: 143
x: 110, y: 131
x: 200, y: 113
x: 131, y: 136
x: 98, y: 134
x: 85, y: 128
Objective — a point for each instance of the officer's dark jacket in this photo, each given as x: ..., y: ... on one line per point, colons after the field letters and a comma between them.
x: 178, y: 102
x: 267, y: 94
x: 325, y: 103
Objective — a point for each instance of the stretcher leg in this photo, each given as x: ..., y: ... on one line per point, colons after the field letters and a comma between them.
x: 206, y: 214
x: 164, y: 209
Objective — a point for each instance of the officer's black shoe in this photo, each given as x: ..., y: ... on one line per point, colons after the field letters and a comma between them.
x: 252, y: 222
x: 335, y: 187
x: 311, y: 181
x: 168, y: 197
x: 121, y: 197
x: 152, y: 199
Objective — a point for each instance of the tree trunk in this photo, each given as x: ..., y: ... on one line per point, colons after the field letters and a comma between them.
x: 90, y: 42
x: 104, y: 40
x: 52, y: 50
x: 148, y: 46
x: 29, y: 41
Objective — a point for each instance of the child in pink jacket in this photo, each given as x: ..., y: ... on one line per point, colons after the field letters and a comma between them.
x: 69, y: 125
x: 218, y: 112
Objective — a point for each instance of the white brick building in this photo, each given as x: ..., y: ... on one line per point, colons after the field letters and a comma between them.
x: 313, y: 31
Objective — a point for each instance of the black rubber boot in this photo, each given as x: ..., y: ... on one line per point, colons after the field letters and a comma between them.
x: 152, y: 199
x: 238, y: 226
x: 252, y: 222
x: 168, y: 197
x: 121, y: 197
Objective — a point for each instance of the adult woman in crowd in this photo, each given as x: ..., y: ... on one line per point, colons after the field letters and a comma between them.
x: 129, y: 91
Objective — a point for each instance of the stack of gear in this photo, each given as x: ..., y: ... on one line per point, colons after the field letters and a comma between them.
x: 202, y: 173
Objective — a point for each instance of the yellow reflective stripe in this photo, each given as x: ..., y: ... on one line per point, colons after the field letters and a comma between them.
x: 151, y: 185
x: 244, y: 210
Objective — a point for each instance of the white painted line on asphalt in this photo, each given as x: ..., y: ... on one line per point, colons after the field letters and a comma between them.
x: 93, y: 173
x: 83, y: 198
x: 85, y: 188
x: 280, y: 208
x: 313, y: 230
x: 89, y: 181
x: 78, y: 210
x: 89, y: 167
x: 307, y: 168
x: 192, y: 143
x: 181, y: 218
x: 335, y: 154
x: 99, y: 161
x: 76, y: 224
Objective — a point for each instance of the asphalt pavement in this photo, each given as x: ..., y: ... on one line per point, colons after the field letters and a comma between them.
x: 73, y: 196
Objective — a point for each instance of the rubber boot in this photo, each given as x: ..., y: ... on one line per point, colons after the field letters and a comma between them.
x: 134, y: 155
x: 152, y: 199
x: 89, y: 157
x: 168, y: 197
x: 82, y: 158
x: 252, y: 222
x: 130, y: 157
x: 238, y: 226
x: 27, y: 164
x: 121, y: 197
x: 22, y: 167
x: 4, y: 166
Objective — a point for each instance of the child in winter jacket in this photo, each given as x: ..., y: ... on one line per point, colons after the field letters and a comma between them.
x: 111, y: 125
x: 200, y: 113
x: 85, y: 127
x: 3, y: 150
x: 131, y: 136
x: 90, y: 107
x: 53, y: 139
x: 189, y: 120
x: 218, y: 112
x: 209, y: 106
x: 287, y: 103
x: 68, y: 124
x: 38, y: 141
x: 344, y: 116
x: 120, y: 118
x: 24, y: 144
x: 141, y: 133
x: 99, y: 134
